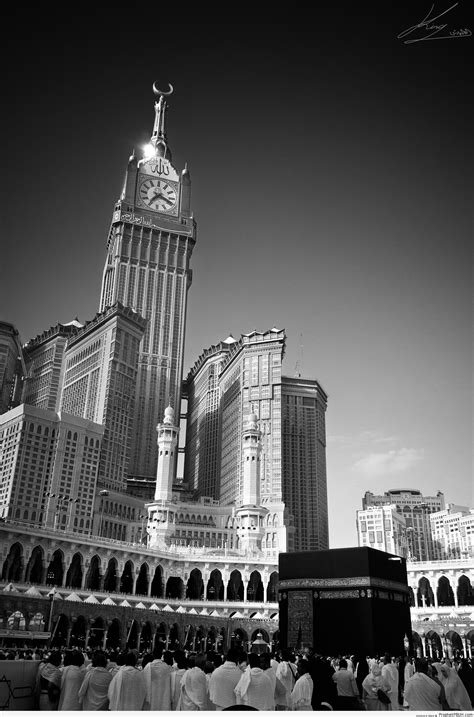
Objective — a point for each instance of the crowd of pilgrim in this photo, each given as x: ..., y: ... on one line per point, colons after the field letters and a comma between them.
x: 177, y: 681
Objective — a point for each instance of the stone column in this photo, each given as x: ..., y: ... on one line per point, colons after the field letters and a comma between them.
x: 435, y: 595
x: 104, y: 634
x: 415, y: 596
x: 455, y: 593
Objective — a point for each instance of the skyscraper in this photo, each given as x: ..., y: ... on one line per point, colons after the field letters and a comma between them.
x: 44, y: 358
x: 100, y: 373
x: 12, y: 367
x: 150, y: 243
x: 48, y: 468
x: 232, y: 380
x: 228, y: 382
x: 203, y: 393
x: 304, y: 481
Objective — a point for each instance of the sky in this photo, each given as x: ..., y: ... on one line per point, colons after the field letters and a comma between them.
x: 330, y: 179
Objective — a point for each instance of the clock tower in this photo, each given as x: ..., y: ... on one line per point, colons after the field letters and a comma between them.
x: 149, y: 248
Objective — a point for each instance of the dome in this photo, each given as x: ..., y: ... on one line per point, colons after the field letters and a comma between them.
x: 253, y: 420
x: 169, y: 416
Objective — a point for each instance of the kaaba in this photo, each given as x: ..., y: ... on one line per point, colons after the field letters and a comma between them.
x: 344, y: 601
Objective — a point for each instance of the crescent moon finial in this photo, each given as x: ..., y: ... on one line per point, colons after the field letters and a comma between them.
x: 162, y: 92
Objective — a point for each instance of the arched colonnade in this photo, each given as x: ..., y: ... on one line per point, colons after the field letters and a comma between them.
x: 86, y: 632
x: 137, y: 575
x: 442, y: 590
x: 449, y: 644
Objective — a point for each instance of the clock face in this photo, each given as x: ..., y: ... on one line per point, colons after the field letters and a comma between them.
x: 158, y: 195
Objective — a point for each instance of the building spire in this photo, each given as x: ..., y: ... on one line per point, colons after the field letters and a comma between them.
x: 158, y: 137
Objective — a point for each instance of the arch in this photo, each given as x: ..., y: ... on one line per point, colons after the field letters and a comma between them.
x: 200, y: 639
x: 60, y: 631
x: 174, y: 588
x: 78, y: 632
x: 221, y: 640
x: 255, y: 587
x: 126, y: 580
x: 96, y: 634
x: 425, y: 593
x: 111, y: 576
x: 417, y: 645
x: 157, y: 583
x: 195, y: 585
x: 435, y: 646
x: 93, y: 579
x: 174, y: 637
x: 74, y: 574
x: 239, y: 639
x: 13, y: 566
x: 55, y: 571
x: 454, y: 645
x: 114, y: 635
x: 211, y: 638
x: 444, y: 592
x: 215, y: 586
x: 235, y: 586
x: 35, y: 568
x: 465, y: 591
x: 275, y: 641
x: 272, y: 589
x: 146, y: 637
x: 141, y: 586
x: 160, y: 636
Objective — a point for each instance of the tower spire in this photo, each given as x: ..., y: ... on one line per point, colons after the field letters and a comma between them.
x: 158, y: 137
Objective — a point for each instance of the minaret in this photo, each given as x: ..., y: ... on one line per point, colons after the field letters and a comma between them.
x: 250, y: 513
x: 251, y: 448
x: 167, y: 448
x: 151, y: 240
x: 161, y: 513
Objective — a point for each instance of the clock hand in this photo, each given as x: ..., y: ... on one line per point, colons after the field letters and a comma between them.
x: 163, y: 197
